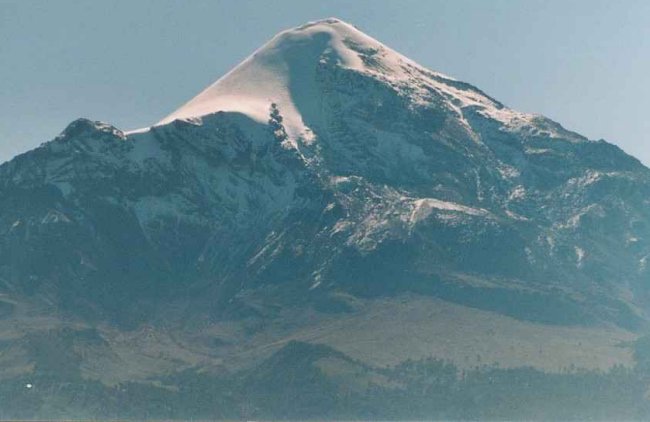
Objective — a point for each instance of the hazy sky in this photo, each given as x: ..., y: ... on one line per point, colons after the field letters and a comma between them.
x: 584, y: 63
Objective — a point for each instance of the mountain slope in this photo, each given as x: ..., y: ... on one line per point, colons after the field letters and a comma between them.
x: 322, y: 176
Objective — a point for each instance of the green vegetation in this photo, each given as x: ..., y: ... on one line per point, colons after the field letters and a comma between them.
x: 306, y: 381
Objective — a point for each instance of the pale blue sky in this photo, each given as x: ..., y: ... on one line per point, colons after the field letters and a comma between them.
x: 583, y: 63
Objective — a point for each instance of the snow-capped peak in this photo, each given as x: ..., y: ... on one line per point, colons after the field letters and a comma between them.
x: 283, y: 72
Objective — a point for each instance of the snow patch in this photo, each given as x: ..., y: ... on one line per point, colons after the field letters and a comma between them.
x: 422, y: 208
x: 518, y: 192
x: 574, y: 221
x: 580, y: 255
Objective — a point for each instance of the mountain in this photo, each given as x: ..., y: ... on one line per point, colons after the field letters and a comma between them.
x: 333, y: 210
